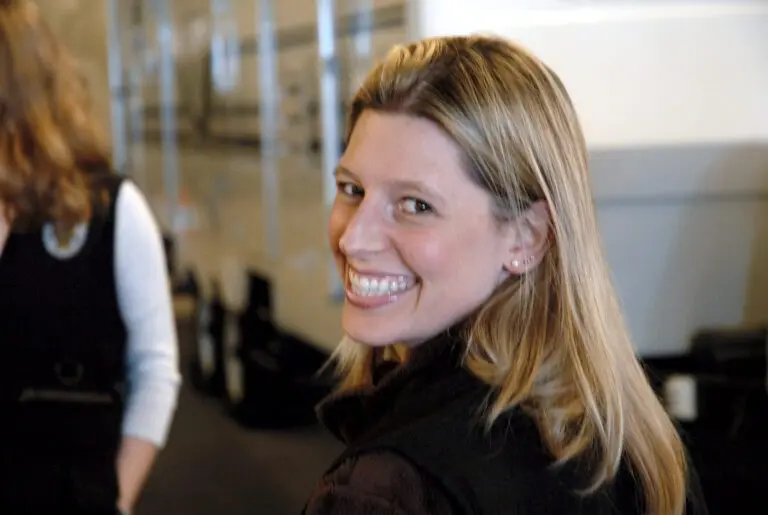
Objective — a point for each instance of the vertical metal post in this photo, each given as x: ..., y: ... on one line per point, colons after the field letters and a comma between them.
x: 269, y: 127
x: 136, y: 116
x: 362, y: 43
x: 329, y: 95
x: 329, y: 112
x: 225, y: 46
x: 165, y: 37
x: 116, y: 87
x: 135, y: 92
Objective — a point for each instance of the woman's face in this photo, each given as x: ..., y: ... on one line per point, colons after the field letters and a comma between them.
x: 414, y: 238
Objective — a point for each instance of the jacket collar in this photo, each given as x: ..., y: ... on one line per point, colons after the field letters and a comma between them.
x: 431, y: 376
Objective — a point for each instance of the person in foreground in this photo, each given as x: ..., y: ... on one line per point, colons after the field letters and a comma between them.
x: 486, y: 366
x: 88, y: 350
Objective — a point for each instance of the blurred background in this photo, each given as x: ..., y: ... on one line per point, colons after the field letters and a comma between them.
x: 229, y: 115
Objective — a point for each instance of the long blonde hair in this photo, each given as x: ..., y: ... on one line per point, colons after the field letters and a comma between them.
x: 553, y: 342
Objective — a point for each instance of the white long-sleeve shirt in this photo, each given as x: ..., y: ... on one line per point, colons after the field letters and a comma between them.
x: 144, y: 298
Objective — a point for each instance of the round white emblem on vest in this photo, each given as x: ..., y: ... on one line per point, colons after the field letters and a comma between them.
x: 67, y: 248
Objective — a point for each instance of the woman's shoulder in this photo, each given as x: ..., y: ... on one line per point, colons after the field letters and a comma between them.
x: 128, y: 196
x: 133, y: 211
x: 387, y: 482
x: 473, y: 468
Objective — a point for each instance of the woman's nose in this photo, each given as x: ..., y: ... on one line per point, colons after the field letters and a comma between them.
x: 364, y: 234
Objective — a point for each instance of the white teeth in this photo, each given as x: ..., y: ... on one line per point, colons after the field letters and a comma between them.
x: 371, y: 286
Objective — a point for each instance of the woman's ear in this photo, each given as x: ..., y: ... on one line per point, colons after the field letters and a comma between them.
x: 530, y: 239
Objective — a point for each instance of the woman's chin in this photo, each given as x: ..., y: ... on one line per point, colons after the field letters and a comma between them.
x: 365, y: 334
x: 368, y: 338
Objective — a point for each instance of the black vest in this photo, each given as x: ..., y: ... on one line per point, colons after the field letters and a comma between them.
x: 62, y: 346
x: 429, y: 411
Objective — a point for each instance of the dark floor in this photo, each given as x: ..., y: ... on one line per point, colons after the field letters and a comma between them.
x: 213, y: 466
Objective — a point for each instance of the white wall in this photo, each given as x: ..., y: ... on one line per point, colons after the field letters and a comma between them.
x: 672, y: 95
x: 643, y: 73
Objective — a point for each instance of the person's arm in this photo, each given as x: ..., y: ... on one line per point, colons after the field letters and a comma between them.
x: 134, y: 462
x: 378, y: 484
x: 153, y: 377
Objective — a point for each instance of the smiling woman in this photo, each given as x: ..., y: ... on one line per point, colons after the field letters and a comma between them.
x: 464, y: 230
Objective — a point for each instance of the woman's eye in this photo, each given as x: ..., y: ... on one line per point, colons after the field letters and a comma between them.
x: 413, y: 206
x: 348, y: 189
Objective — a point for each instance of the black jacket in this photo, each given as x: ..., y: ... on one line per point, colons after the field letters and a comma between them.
x: 416, y: 445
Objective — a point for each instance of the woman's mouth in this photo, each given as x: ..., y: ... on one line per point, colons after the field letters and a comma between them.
x: 374, y: 289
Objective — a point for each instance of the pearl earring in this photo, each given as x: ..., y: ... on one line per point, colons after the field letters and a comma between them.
x: 526, y: 261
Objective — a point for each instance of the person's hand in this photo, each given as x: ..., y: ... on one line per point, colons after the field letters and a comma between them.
x: 134, y: 462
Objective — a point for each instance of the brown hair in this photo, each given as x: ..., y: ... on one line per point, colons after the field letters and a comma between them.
x: 49, y: 139
x: 552, y: 342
